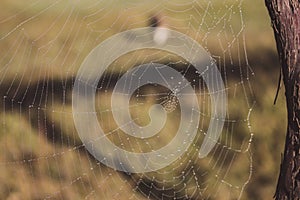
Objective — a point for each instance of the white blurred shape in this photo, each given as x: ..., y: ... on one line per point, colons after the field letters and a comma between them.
x: 161, y: 35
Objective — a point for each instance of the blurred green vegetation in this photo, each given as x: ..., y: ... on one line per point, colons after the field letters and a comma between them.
x: 43, y: 44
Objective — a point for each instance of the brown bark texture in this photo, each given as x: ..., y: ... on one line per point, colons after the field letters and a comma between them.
x: 285, y: 19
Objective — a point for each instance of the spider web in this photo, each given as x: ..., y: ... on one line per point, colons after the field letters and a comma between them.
x: 43, y: 45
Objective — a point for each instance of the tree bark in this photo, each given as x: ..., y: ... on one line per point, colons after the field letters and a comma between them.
x: 285, y: 19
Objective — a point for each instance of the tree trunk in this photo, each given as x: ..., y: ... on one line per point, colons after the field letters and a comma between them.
x: 285, y: 18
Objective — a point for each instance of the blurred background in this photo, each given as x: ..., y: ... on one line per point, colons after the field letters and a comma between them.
x: 43, y: 44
